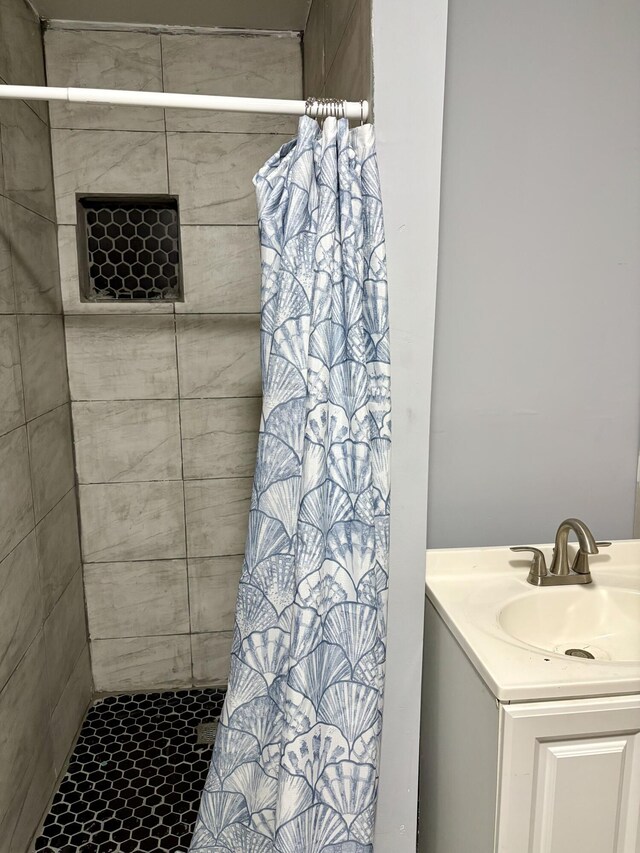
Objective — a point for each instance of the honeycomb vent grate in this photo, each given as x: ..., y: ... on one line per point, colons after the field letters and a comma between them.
x: 129, y: 249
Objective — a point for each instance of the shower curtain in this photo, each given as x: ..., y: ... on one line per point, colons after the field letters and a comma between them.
x: 295, y: 762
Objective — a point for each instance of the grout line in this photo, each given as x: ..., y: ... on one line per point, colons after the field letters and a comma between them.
x: 175, y: 480
x: 282, y: 133
x: 24, y: 207
x: 77, y: 510
x: 142, y: 400
x: 164, y: 112
x: 166, y: 29
x: 38, y: 523
x: 49, y: 411
x: 4, y: 685
x: 28, y: 445
x: 17, y: 365
x: 328, y: 70
x: 28, y: 103
x: 108, y: 312
x: 184, y: 497
x: 165, y: 559
x: 40, y: 631
x: 164, y: 119
x: 160, y: 636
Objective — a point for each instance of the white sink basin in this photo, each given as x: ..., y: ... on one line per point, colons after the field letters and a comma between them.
x: 517, y: 635
x: 601, y: 621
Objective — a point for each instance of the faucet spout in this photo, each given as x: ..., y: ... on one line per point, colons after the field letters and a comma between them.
x: 587, y: 543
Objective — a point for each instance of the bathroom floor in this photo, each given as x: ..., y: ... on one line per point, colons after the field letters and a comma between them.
x: 135, y: 777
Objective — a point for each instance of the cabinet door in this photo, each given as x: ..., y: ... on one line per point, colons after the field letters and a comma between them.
x: 570, y: 777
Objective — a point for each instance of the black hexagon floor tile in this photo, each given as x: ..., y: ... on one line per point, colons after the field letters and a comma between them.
x: 134, y: 780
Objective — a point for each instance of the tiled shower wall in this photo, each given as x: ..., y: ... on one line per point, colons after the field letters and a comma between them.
x: 166, y: 398
x: 337, y: 50
x: 45, y: 677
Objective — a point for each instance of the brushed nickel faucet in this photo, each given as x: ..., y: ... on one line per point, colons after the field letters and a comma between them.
x: 559, y: 572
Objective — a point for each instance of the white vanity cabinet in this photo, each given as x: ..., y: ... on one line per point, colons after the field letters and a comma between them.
x: 569, y: 776
x: 558, y: 776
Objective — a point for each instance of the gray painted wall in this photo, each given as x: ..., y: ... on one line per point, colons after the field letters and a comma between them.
x: 409, y: 98
x: 536, y: 397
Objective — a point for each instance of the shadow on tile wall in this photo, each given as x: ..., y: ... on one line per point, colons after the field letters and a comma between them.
x: 166, y: 398
x: 337, y: 50
x: 45, y: 675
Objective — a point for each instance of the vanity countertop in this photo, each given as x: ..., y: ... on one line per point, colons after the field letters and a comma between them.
x: 483, y: 597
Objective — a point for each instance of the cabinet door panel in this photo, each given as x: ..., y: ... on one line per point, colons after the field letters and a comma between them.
x: 579, y: 790
x: 570, y: 777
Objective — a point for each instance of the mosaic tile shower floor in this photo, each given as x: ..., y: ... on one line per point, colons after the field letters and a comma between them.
x: 135, y: 777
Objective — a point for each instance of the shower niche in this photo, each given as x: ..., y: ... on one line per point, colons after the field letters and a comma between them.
x: 129, y: 248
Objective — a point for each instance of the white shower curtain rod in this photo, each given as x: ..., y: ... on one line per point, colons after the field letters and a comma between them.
x: 356, y: 110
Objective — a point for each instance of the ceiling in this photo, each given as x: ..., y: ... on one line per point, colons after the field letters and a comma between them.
x: 240, y: 14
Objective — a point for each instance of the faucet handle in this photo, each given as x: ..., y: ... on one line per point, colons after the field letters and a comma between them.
x: 538, y: 568
x: 581, y: 560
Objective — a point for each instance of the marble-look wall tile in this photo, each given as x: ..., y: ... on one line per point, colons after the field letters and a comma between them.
x: 141, y: 663
x: 121, y: 358
x: 51, y: 453
x: 44, y: 366
x: 70, y: 284
x: 350, y: 73
x: 20, y: 604
x: 132, y: 521
x: 58, y: 541
x: 11, y: 398
x: 219, y: 356
x: 105, y: 161
x: 337, y: 50
x: 16, y: 504
x: 127, y: 441
x: 137, y: 599
x: 7, y: 298
x: 220, y: 269
x: 213, y: 589
x: 211, y: 657
x: 26, y: 158
x: 336, y: 19
x: 104, y: 60
x: 65, y: 636
x: 1, y: 163
x: 35, y: 792
x: 313, y: 51
x: 220, y: 437
x: 68, y: 714
x: 250, y: 66
x: 217, y: 516
x: 34, y: 260
x: 27, y: 776
x: 21, y: 53
x: 212, y: 174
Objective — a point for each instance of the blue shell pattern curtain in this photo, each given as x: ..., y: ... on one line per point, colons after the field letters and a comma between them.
x: 294, y: 767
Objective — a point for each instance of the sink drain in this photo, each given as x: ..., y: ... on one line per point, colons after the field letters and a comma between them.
x: 579, y: 653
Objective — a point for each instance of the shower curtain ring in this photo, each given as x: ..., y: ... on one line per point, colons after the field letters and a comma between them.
x: 322, y: 108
